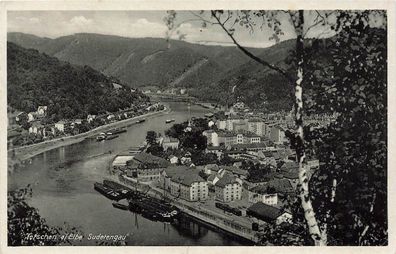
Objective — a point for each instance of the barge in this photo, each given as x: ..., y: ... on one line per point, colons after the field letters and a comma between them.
x: 116, y: 131
x: 107, y: 192
x: 141, y: 121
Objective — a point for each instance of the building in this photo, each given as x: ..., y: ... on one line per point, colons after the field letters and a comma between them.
x: 240, y: 173
x: 185, y: 183
x: 227, y: 138
x: 117, y: 86
x: 269, y: 214
x: 257, y: 126
x: 269, y: 192
x: 32, y: 116
x: 240, y: 126
x: 277, y: 134
x: 90, y: 118
x: 173, y: 159
x: 37, y: 128
x: 111, y: 117
x: 60, y: 126
x: 228, y: 188
x: 169, y: 142
x: 212, y: 138
x: 221, y: 124
x: 289, y: 170
x: 21, y: 116
x: 146, y: 167
x: 120, y: 161
x: 218, y: 150
x: 210, y: 169
x: 42, y: 111
x: 252, y: 147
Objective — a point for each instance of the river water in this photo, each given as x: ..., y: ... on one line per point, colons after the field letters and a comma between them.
x: 63, y: 179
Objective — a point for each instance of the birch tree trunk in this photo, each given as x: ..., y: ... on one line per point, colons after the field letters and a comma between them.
x: 306, y: 203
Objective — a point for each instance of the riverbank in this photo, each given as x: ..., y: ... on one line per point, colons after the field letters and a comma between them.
x: 238, y: 226
x: 26, y: 152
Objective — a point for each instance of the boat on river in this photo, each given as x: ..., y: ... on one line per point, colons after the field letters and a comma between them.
x: 101, y: 137
x: 141, y: 121
x: 122, y: 204
x: 106, y: 191
x: 123, y: 190
x: 113, y: 136
x: 154, y: 209
x: 116, y: 131
x: 169, y: 120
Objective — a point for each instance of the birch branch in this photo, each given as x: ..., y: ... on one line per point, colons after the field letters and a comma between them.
x: 366, y: 228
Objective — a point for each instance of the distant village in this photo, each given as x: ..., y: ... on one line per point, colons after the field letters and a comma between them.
x: 251, y: 174
x: 32, y: 127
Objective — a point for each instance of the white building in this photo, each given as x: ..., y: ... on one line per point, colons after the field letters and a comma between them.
x: 184, y: 182
x: 60, y: 126
x: 228, y: 188
x: 42, y: 110
x: 269, y: 192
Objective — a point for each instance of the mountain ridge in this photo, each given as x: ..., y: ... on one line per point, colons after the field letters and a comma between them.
x: 207, y: 72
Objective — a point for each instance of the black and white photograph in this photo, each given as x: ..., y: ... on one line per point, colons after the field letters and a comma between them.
x: 215, y: 127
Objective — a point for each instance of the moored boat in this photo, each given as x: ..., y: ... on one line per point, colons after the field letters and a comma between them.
x: 122, y: 204
x: 106, y: 191
x: 118, y: 130
x: 100, y: 138
x: 113, y: 136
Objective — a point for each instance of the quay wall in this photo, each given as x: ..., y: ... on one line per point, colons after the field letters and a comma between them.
x: 223, y: 222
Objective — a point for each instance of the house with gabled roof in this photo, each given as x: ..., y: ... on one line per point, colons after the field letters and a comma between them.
x: 42, y: 111
x: 269, y: 214
x: 228, y: 188
x: 146, y: 167
x: 269, y: 192
x: 184, y: 182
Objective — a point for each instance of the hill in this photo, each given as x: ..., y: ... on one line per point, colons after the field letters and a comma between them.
x: 69, y: 91
x: 209, y: 72
x: 139, y: 61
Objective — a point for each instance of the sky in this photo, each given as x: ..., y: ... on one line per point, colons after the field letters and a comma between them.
x: 136, y: 24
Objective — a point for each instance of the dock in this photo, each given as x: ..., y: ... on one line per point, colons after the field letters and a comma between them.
x: 241, y: 226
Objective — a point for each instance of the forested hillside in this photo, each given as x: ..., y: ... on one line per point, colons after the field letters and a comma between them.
x: 69, y: 91
x: 209, y: 72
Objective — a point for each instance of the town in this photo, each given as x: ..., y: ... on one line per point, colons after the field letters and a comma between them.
x: 232, y: 169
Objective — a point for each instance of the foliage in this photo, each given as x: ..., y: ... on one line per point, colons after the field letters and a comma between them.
x: 202, y: 158
x: 192, y: 141
x: 69, y: 91
x: 151, y: 137
x: 24, y: 222
x: 354, y: 148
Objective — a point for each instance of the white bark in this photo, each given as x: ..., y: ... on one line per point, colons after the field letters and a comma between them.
x: 366, y: 228
x: 309, y: 214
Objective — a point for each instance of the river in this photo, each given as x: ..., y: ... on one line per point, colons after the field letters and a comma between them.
x: 63, y: 179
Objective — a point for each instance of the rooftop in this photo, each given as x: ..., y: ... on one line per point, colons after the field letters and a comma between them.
x: 246, y: 146
x: 168, y: 139
x: 149, y: 159
x: 235, y: 170
x: 264, y: 212
x: 183, y: 175
x: 274, y: 186
x: 226, y: 179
